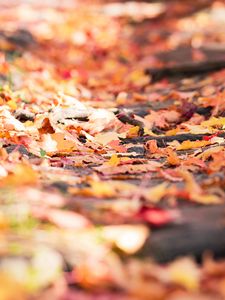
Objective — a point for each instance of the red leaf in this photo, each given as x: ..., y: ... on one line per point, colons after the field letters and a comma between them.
x: 156, y: 216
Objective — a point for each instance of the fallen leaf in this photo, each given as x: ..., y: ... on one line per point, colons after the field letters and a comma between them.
x: 157, y: 217
x: 114, y: 161
x: 172, y: 158
x: 105, y: 138
x: 128, y: 238
x: 192, y: 144
x: 185, y: 272
x: 63, y: 219
x: 21, y: 174
x: 156, y: 193
x: 213, y: 121
x: 101, y: 189
x: 129, y: 168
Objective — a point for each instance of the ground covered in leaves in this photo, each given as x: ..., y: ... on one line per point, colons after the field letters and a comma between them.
x: 112, y: 123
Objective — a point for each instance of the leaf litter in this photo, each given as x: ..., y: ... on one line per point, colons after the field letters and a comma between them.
x: 101, y: 142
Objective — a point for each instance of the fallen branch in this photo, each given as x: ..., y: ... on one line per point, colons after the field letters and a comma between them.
x: 162, y: 141
x: 183, y: 70
x: 201, y: 229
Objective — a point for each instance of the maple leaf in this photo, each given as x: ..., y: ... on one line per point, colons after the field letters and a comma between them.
x: 155, y: 118
x: 161, y: 118
x: 115, y: 144
x: 56, y: 142
x: 129, y: 168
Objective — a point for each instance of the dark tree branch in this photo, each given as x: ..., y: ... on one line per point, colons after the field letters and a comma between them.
x: 201, y: 228
x: 183, y: 70
x: 163, y: 140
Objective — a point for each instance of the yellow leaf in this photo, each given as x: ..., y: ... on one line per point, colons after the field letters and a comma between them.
x: 207, y: 199
x: 28, y: 123
x: 114, y: 161
x: 139, y: 78
x: 198, y: 129
x: 172, y: 131
x: 156, y: 193
x: 12, y: 104
x: 133, y: 131
x: 192, y: 144
x: 148, y: 131
x: 186, y: 273
x: 191, y: 185
x: 214, y: 122
x: 102, y: 189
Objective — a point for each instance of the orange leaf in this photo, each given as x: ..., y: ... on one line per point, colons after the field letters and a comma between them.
x: 129, y: 168
x: 152, y: 146
x: 133, y: 131
x: 62, y: 143
x: 172, y: 157
x: 116, y: 146
x: 22, y: 175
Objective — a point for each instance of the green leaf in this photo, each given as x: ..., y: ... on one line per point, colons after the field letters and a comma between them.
x: 42, y: 152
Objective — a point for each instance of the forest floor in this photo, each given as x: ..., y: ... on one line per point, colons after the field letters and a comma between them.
x: 112, y: 157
